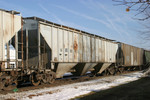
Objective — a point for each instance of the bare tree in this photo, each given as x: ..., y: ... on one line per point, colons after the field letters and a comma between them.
x: 142, y: 7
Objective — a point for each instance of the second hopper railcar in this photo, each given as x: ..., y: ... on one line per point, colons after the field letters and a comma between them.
x: 129, y: 56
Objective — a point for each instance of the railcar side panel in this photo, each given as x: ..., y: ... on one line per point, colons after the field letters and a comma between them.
x: 93, y: 49
x: 80, y: 46
x: 88, y: 49
x: 97, y: 49
x: 100, y: 50
x: 75, y: 46
x: 132, y: 56
x: 70, y: 46
x: 60, y: 43
x: 10, y: 24
x: 84, y: 48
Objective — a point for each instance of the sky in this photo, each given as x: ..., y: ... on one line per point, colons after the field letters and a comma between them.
x: 100, y: 17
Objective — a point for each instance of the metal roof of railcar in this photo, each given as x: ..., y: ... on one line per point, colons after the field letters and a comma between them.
x: 11, y: 11
x: 129, y: 45
x: 45, y: 21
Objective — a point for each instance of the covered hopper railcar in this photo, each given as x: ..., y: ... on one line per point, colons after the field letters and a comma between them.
x: 129, y: 57
x: 63, y: 49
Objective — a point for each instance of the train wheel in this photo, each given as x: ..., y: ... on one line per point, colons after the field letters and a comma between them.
x: 48, y: 78
x: 2, y: 84
x: 111, y: 70
x: 44, y: 78
x: 51, y: 76
x: 7, y: 84
x: 121, y: 70
x: 35, y: 80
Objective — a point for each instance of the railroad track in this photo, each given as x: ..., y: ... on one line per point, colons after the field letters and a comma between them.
x: 70, y: 79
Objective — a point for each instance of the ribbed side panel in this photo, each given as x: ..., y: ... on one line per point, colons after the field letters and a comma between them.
x: 1, y: 41
x: 71, y: 46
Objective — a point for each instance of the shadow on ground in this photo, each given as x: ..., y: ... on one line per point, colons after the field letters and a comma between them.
x: 136, y: 90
